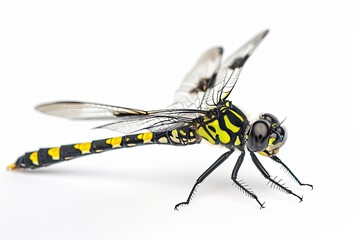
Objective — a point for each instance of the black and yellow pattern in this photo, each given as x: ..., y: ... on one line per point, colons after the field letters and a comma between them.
x: 47, y: 156
x: 227, y: 126
x: 200, y: 110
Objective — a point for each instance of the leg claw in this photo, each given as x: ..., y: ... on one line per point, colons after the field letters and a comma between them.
x: 309, y: 185
x: 180, y: 204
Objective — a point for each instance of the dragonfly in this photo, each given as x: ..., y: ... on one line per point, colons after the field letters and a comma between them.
x: 201, y: 110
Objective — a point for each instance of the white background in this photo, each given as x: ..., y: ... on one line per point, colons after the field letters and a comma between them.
x: 135, y: 53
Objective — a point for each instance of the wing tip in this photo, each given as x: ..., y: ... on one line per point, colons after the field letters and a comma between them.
x: 260, y: 36
x: 53, y: 108
x: 265, y: 32
x: 41, y: 108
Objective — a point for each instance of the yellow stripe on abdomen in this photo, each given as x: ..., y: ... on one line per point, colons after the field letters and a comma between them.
x: 83, y: 147
x: 54, y: 153
x: 34, y: 158
x: 114, y: 142
x: 146, y: 137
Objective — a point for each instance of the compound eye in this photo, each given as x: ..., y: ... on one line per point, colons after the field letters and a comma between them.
x: 258, y: 136
x: 260, y: 130
x: 280, y: 135
x: 281, y: 131
x: 270, y: 118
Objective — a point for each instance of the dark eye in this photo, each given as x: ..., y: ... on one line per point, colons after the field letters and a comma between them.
x: 258, y: 136
x: 260, y: 130
x: 270, y: 118
x: 281, y: 130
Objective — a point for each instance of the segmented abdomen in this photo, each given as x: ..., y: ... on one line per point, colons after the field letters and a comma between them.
x: 47, y: 156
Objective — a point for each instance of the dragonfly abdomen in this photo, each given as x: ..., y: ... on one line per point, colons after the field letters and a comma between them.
x: 48, y: 156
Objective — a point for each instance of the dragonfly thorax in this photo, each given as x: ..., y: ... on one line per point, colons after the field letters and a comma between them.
x: 225, y: 125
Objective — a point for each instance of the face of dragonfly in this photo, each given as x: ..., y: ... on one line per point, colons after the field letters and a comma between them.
x: 266, y: 134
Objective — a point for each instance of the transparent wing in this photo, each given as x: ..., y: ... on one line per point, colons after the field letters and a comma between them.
x: 196, y: 82
x: 132, y: 124
x: 157, y: 120
x: 86, y: 110
x: 129, y: 120
x: 229, y: 73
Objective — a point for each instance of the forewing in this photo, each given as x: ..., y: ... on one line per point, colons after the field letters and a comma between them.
x: 196, y: 82
x: 128, y: 120
x: 86, y: 110
x: 155, y: 121
x: 229, y: 73
x: 135, y: 124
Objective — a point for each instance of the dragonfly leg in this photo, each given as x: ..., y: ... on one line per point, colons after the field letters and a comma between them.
x: 274, y: 183
x: 241, y: 185
x: 276, y: 159
x: 208, y: 171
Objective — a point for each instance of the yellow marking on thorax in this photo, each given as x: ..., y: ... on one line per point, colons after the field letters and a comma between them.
x: 237, y: 115
x: 114, y: 142
x: 237, y: 141
x: 230, y: 126
x: 146, y: 137
x: 224, y: 109
x: 83, y: 147
x: 224, y: 137
x: 201, y: 131
x: 34, y: 158
x: 54, y: 153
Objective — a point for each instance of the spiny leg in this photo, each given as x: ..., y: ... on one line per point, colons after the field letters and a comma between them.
x: 276, y: 159
x: 208, y: 171
x: 263, y: 171
x: 234, y: 178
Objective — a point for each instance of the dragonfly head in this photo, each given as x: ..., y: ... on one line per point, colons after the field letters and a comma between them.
x: 266, y: 135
